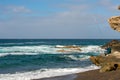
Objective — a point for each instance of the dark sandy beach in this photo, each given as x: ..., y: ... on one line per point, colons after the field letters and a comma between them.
x: 89, y: 75
x: 96, y: 75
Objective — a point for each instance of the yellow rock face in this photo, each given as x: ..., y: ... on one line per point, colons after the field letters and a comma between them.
x: 115, y: 23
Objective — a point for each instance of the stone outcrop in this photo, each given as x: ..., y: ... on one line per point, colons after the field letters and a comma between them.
x: 111, y: 61
x: 115, y: 23
x: 107, y: 63
x: 114, y: 44
x: 69, y: 48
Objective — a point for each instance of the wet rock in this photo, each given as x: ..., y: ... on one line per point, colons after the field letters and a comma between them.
x: 62, y: 50
x: 69, y: 48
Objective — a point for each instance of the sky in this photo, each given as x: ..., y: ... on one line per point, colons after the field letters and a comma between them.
x: 57, y: 19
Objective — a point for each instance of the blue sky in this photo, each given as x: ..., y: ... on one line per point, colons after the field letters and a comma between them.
x: 57, y: 18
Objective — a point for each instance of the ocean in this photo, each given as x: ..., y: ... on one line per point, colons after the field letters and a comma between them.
x: 25, y: 59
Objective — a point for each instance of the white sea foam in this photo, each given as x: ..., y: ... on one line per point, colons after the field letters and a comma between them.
x: 92, y: 48
x: 60, y: 46
x: 28, y: 49
x: 42, y: 49
x: 45, y: 73
x: 80, y: 57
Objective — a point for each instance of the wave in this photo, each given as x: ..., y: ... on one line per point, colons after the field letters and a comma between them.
x: 92, y: 49
x: 47, y: 49
x: 45, y: 73
x: 86, y: 49
x: 43, y: 61
x: 20, y: 63
x: 48, y: 58
x: 27, y: 49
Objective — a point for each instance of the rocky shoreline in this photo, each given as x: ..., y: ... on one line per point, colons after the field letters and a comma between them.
x: 110, y: 62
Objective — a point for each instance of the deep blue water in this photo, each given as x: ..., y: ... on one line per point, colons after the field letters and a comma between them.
x: 31, y: 42
x: 20, y: 55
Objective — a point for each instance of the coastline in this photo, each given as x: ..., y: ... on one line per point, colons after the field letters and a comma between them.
x: 88, y: 75
x: 110, y: 66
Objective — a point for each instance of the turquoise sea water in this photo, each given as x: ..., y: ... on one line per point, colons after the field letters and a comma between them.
x: 24, y: 55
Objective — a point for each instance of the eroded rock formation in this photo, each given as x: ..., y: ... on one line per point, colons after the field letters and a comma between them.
x: 115, y: 23
x: 107, y: 63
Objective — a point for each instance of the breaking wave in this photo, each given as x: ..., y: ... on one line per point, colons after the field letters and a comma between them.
x: 46, y: 49
x: 37, y: 74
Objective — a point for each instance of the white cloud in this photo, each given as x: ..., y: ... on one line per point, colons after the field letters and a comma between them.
x: 18, y: 9
x: 62, y: 25
x: 75, y: 22
x: 11, y: 9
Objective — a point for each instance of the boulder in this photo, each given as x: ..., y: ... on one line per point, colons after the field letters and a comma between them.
x: 115, y: 23
x: 97, y: 60
x: 110, y: 66
x: 107, y: 63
